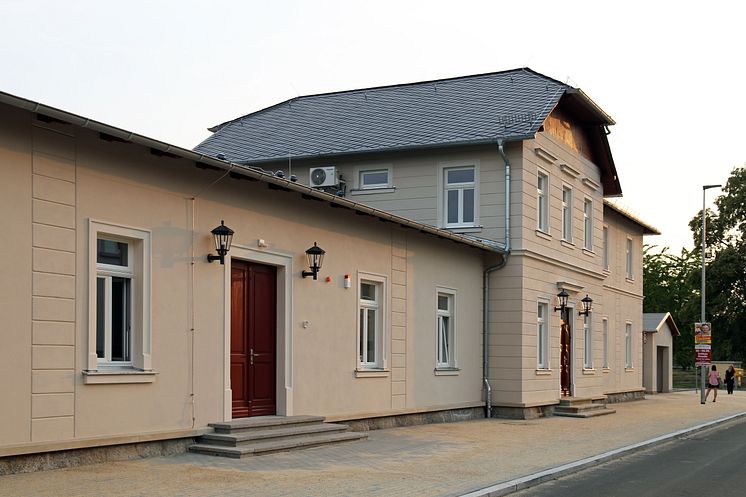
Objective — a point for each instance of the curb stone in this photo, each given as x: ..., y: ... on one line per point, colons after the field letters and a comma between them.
x: 533, y: 479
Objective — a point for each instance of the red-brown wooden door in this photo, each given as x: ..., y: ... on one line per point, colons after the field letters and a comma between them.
x: 253, y: 338
x: 565, y: 354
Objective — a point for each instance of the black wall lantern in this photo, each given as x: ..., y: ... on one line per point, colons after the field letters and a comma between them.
x: 587, y: 305
x: 315, y: 259
x: 223, y: 236
x: 562, y: 296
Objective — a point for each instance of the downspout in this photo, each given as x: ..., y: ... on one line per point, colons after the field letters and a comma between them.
x: 486, y: 287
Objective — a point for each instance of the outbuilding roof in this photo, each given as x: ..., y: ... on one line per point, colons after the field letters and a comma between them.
x: 508, y: 105
x: 648, y: 229
x: 157, y: 147
x: 653, y: 321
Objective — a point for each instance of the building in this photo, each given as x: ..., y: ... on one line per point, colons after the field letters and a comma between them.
x: 658, y: 329
x: 513, y: 157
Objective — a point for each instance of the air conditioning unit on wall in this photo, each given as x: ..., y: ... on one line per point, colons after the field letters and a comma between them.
x: 323, y: 176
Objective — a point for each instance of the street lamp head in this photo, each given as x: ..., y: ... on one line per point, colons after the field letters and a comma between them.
x: 707, y: 187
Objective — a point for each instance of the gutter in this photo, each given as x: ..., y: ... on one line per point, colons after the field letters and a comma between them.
x: 486, y: 287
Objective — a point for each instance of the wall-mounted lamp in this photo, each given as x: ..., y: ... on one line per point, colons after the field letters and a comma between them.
x: 315, y: 259
x: 587, y: 305
x: 562, y: 296
x: 223, y: 236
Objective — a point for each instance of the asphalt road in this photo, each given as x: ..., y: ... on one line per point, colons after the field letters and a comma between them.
x: 708, y: 464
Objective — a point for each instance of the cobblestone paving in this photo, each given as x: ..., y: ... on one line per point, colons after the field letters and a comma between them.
x: 431, y: 460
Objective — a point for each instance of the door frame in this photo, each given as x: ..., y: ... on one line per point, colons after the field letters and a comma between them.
x: 284, y: 369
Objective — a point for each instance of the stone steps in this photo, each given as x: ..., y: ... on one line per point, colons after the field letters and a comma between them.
x: 580, y: 407
x: 267, y: 434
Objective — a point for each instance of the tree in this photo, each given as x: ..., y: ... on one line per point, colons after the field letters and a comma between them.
x: 670, y: 285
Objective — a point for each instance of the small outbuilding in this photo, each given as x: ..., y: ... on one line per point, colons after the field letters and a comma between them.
x: 658, y: 329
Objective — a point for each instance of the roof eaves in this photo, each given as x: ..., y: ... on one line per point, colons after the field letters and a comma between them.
x: 164, y: 147
x: 647, y: 228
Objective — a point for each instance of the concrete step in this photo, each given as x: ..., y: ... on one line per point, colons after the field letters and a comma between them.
x: 579, y: 407
x: 584, y: 414
x: 266, y: 447
x: 264, y: 422
x: 287, y: 431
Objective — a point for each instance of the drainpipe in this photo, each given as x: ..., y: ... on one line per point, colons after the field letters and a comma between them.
x: 486, y: 286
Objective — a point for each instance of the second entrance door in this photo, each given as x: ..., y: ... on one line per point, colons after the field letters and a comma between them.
x: 253, y: 338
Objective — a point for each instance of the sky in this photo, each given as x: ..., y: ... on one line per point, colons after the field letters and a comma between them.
x: 671, y: 74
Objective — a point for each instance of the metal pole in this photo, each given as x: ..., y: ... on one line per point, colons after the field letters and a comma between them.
x: 702, y: 317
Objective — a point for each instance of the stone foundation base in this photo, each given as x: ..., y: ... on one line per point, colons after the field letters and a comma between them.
x: 421, y: 418
x: 522, y: 412
x: 29, y: 463
x: 615, y: 398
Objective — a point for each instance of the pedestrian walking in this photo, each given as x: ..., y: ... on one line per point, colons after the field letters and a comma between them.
x: 713, y: 382
x: 730, y: 378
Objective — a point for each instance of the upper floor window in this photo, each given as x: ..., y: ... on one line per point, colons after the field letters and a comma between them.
x: 542, y: 336
x: 588, y: 224
x: 567, y: 213
x: 542, y: 208
x: 374, y: 178
x: 629, y: 259
x: 459, y: 196
x: 606, y: 248
x: 445, y: 332
x: 370, y: 329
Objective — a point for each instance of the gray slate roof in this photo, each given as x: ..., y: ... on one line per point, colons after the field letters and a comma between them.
x: 509, y: 105
x: 651, y: 321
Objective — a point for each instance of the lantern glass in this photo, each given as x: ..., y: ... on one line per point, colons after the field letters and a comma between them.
x: 223, y: 236
x: 587, y: 304
x: 315, y: 257
x: 563, y: 296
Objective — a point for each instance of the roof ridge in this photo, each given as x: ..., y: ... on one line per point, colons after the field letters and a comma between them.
x: 526, y: 70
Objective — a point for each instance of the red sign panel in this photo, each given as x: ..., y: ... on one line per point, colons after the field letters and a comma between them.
x: 702, y: 356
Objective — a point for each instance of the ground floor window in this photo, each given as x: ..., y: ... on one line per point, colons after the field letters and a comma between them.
x: 588, y: 342
x: 446, y: 356
x: 542, y: 336
x: 628, y: 344
x: 371, y: 323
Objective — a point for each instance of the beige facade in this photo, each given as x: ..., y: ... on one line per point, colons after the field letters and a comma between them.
x: 63, y: 187
x: 543, y: 257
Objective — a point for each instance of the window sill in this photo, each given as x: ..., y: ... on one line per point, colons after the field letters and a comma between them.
x: 589, y: 252
x: 447, y: 371
x: 629, y: 280
x: 543, y: 372
x: 371, y: 373
x: 543, y: 234
x: 118, y: 375
x: 589, y: 371
x: 567, y: 243
x: 607, y: 370
x: 606, y: 271
x: 629, y: 370
x: 464, y: 229
x: 372, y: 191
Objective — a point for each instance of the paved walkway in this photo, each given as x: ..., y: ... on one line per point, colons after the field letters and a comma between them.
x: 439, y: 460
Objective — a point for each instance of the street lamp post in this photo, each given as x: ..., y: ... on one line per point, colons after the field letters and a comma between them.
x: 702, y: 317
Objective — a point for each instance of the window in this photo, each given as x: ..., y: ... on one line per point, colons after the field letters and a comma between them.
x: 542, y: 338
x: 628, y: 345
x: 542, y: 208
x: 376, y: 178
x: 445, y: 336
x: 567, y: 213
x: 371, y: 324
x: 459, y: 196
x: 114, y: 274
x: 588, y: 342
x: 588, y: 224
x: 119, y: 331
x: 605, y: 338
x: 606, y: 248
x: 630, y: 274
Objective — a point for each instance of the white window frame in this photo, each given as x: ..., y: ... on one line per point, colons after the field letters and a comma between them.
x: 542, y: 201
x: 606, y: 248
x: 588, y: 224
x: 107, y: 272
x: 629, y: 259
x: 451, y: 361
x: 381, y: 331
x: 567, y: 213
x: 362, y: 171
x: 542, y: 335
x: 605, y: 342
x: 588, y: 341
x: 139, y: 259
x: 443, y: 188
x: 628, y: 344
